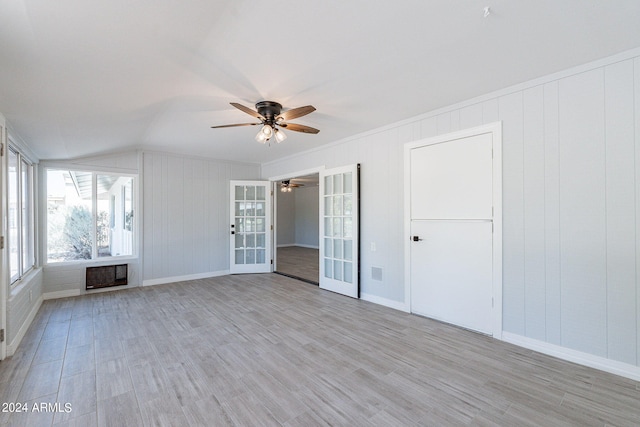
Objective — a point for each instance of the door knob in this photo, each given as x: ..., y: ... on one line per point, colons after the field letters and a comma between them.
x: 416, y: 238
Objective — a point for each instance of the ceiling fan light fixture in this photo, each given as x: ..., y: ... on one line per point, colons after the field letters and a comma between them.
x: 261, y: 138
x: 267, y: 130
x: 280, y: 136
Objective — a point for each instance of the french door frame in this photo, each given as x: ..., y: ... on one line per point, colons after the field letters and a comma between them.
x: 274, y: 213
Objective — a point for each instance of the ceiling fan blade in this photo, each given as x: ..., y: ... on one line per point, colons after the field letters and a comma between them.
x: 248, y: 110
x: 299, y: 128
x: 294, y: 113
x: 237, y: 124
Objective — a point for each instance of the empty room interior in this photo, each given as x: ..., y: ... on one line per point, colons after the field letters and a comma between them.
x: 333, y: 213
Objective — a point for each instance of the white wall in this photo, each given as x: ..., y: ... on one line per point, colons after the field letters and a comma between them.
x: 286, y: 219
x: 186, y: 215
x: 307, y: 225
x: 571, y: 203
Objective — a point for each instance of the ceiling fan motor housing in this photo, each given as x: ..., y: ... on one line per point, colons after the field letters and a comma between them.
x: 269, y: 110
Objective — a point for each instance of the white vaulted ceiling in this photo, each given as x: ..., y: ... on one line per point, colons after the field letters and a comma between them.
x: 83, y: 77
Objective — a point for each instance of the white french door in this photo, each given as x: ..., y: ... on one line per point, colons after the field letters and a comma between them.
x: 339, y: 230
x: 250, y: 227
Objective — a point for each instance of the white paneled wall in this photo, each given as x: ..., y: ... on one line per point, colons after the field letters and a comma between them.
x: 306, y: 219
x: 186, y: 215
x: 571, y: 203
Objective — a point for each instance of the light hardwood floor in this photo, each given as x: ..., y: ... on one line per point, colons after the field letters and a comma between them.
x: 266, y: 350
x: 299, y: 262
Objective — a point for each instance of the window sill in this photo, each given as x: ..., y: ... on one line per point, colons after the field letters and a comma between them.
x: 26, y: 280
x: 93, y: 262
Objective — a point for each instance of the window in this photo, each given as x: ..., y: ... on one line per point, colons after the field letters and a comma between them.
x: 87, y: 215
x: 21, y: 222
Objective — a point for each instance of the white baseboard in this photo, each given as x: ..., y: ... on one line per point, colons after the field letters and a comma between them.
x: 579, y: 357
x: 164, y: 280
x: 13, y: 346
x: 290, y: 245
x: 307, y: 246
x: 62, y: 294
x: 397, y: 305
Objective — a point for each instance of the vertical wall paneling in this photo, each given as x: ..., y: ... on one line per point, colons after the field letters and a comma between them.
x: 534, y: 226
x: 186, y: 214
x: 636, y: 114
x: 444, y: 123
x: 428, y: 127
x: 471, y: 116
x: 620, y: 211
x: 571, y: 204
x: 510, y: 109
x: 455, y: 120
x: 552, y: 215
x: 582, y: 212
x: 490, y: 111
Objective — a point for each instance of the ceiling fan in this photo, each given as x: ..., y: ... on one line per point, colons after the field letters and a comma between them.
x: 287, y: 185
x: 272, y: 118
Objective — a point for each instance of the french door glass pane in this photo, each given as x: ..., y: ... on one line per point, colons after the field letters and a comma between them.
x: 260, y: 256
x: 328, y: 264
x: 250, y: 256
x: 337, y: 248
x: 328, y: 188
x: 250, y: 240
x: 260, y: 240
x: 348, y: 186
x: 337, y: 227
x: 260, y: 193
x: 328, y: 248
x: 337, y: 184
x: 239, y: 192
x: 250, y: 192
x: 348, y: 249
x: 337, y: 270
x: 348, y: 272
x: 239, y: 256
x: 337, y: 205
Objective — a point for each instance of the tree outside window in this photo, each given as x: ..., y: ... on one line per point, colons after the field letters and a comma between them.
x: 73, y: 231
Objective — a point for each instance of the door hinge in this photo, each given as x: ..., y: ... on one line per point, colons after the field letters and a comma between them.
x: 271, y: 261
x: 272, y: 192
x: 1, y: 335
x: 1, y: 148
x: 1, y: 242
x: 272, y: 227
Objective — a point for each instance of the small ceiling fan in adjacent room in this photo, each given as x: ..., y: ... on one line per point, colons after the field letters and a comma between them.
x: 287, y: 185
x: 273, y: 120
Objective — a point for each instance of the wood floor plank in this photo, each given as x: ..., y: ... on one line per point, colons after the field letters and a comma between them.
x: 270, y: 350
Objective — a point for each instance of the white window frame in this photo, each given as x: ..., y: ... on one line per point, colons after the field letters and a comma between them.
x: 22, y: 271
x: 95, y: 172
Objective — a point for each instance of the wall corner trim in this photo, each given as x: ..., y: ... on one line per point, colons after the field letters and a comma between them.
x: 601, y: 363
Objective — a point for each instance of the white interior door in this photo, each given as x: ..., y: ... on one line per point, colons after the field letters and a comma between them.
x: 250, y: 227
x: 452, y: 188
x: 339, y: 230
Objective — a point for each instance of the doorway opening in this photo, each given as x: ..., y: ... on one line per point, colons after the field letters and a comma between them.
x: 297, y: 227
